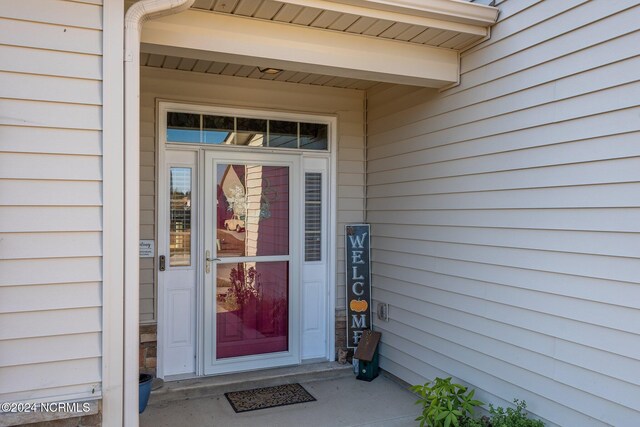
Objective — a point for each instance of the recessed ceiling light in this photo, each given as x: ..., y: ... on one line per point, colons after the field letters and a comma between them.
x: 269, y: 70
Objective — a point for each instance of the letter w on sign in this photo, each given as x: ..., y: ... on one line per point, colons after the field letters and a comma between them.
x: 358, y: 281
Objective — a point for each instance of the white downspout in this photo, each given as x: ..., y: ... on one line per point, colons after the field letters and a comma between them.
x: 137, y: 14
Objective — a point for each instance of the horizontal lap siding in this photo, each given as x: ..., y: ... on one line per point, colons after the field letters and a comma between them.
x: 239, y: 92
x: 50, y: 200
x: 505, y: 215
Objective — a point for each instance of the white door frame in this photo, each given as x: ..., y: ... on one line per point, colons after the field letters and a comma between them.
x: 162, y: 106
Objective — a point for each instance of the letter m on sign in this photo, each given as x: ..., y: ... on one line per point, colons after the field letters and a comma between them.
x: 358, y: 321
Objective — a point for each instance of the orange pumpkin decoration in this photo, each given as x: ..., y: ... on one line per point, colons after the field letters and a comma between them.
x: 358, y: 305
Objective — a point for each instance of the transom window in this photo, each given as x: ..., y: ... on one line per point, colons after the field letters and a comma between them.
x: 196, y: 128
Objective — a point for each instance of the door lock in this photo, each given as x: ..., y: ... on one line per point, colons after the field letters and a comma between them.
x: 208, y: 260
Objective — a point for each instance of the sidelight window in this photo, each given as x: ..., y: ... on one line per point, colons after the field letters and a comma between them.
x: 312, y: 216
x: 180, y: 217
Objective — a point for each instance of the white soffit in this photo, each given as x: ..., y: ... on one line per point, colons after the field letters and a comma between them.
x: 249, y: 71
x: 447, y: 10
x: 412, y: 42
x: 450, y: 24
x: 245, y: 41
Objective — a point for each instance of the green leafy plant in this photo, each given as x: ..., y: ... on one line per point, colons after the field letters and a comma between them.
x: 473, y: 422
x: 445, y: 403
x: 511, y: 417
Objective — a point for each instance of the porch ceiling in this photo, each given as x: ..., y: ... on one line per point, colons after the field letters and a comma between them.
x: 250, y: 71
x: 342, y: 43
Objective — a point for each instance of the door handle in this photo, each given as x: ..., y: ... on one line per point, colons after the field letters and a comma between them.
x: 208, y: 260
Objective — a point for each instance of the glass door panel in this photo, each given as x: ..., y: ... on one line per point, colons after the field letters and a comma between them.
x: 251, y: 308
x: 252, y: 204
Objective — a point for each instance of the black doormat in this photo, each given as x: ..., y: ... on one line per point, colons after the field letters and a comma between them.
x: 268, y: 397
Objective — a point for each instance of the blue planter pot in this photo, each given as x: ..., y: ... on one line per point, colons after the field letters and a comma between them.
x: 145, y: 391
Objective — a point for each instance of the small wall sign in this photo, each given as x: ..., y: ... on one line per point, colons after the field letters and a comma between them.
x: 147, y: 249
x: 358, y: 281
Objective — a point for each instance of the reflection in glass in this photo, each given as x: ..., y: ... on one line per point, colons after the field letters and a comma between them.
x: 251, y: 308
x: 313, y: 136
x: 283, y: 134
x: 183, y: 127
x: 213, y: 129
x: 252, y: 210
x: 251, y: 132
x: 180, y: 217
x: 217, y: 130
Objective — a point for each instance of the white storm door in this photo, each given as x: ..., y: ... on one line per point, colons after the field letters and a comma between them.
x: 178, y: 263
x: 252, y: 258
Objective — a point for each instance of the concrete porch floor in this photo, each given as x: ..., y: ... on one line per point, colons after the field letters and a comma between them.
x: 342, y: 401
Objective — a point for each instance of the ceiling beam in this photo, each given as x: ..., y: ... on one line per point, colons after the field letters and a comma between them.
x: 246, y: 41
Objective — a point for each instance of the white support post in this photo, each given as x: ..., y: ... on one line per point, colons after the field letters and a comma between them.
x: 113, y: 215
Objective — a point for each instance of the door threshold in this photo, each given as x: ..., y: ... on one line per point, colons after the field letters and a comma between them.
x: 179, y: 377
x: 217, y: 385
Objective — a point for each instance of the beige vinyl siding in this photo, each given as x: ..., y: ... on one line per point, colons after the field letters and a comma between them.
x: 505, y: 215
x: 175, y: 85
x: 50, y: 200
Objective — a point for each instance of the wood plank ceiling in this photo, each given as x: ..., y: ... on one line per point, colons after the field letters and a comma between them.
x: 210, y: 67
x: 311, y: 17
x: 331, y: 20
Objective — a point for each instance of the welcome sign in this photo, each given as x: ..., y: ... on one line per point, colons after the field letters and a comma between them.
x: 358, y: 272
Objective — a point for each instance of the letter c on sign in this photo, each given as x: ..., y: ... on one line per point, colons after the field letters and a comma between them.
x: 355, y: 291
